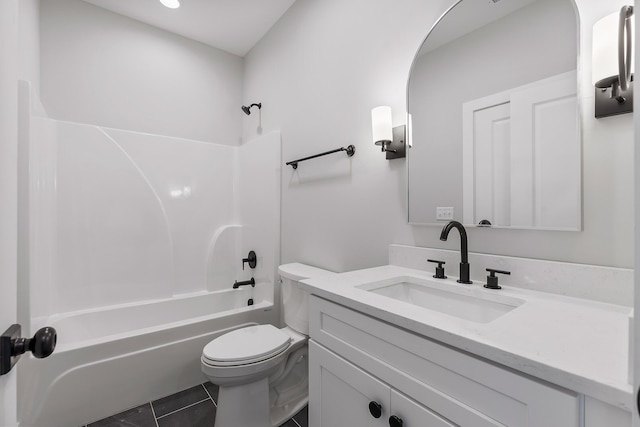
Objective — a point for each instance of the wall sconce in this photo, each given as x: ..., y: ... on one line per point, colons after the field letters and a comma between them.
x: 612, y: 67
x: 391, y: 139
x: 171, y: 4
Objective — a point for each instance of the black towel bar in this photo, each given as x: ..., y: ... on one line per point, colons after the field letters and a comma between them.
x: 351, y: 150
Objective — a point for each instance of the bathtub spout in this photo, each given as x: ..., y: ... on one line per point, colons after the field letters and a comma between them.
x: 251, y: 282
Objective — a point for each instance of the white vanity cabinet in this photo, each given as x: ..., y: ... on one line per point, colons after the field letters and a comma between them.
x: 344, y: 395
x: 356, y: 359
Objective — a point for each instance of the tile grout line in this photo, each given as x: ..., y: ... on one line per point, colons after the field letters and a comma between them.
x: 210, y: 397
x: 185, y: 407
x: 153, y: 411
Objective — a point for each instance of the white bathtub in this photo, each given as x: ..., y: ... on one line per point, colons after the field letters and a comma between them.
x: 111, y: 359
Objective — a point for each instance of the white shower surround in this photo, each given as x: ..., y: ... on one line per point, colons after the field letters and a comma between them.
x: 119, y: 217
x: 134, y: 243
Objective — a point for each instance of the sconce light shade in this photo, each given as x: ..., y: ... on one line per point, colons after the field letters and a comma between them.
x: 391, y: 139
x: 613, y: 63
x: 382, y: 126
x: 171, y: 4
x: 604, y: 71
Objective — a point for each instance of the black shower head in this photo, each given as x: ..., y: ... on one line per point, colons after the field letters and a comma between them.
x: 247, y: 110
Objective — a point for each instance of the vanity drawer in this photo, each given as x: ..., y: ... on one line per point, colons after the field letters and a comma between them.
x: 458, y: 386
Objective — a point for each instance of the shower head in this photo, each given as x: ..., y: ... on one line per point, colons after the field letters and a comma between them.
x: 247, y: 110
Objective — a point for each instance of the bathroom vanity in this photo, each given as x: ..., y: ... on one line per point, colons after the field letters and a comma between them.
x: 393, y: 346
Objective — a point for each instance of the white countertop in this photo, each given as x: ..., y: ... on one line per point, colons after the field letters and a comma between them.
x: 577, y: 344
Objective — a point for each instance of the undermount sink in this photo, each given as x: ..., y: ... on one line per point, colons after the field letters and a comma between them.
x: 471, y: 304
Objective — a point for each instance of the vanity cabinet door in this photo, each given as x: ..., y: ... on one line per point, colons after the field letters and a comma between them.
x: 341, y: 394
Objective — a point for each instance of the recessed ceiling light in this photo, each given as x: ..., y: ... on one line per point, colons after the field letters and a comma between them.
x: 171, y: 4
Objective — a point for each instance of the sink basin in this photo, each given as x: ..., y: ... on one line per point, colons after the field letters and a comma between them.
x: 471, y: 304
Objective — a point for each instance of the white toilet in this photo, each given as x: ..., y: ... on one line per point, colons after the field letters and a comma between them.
x: 262, y: 371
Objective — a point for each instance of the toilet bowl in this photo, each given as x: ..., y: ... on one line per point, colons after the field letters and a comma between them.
x: 262, y: 371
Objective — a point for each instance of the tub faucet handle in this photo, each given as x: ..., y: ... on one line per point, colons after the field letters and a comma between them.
x: 252, y: 259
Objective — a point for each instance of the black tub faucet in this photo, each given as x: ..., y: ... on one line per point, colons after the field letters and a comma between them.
x: 464, y: 252
x: 251, y: 282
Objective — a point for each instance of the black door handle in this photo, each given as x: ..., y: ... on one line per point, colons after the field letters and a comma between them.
x: 12, y: 345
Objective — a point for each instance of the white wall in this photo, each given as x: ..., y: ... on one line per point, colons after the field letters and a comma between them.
x: 319, y: 72
x: 102, y: 68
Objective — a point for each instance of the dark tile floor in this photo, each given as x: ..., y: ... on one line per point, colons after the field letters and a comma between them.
x: 194, y: 407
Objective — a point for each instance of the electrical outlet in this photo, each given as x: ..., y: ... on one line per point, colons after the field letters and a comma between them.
x: 444, y: 213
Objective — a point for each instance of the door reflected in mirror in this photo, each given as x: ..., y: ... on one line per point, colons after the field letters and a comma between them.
x: 495, y: 122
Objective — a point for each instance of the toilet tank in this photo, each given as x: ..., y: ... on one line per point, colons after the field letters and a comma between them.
x: 295, y: 301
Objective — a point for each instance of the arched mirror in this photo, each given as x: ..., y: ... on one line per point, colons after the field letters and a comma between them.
x: 494, y: 117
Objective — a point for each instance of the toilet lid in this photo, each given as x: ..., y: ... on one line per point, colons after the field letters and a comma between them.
x: 246, y: 345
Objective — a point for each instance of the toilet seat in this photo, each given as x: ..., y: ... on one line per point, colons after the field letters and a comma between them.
x: 247, y: 345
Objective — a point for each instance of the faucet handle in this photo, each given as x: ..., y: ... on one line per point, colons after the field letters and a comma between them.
x: 492, y: 279
x: 439, y: 269
x: 252, y: 259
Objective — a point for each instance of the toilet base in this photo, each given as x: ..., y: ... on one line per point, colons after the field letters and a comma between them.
x: 290, y: 393
x: 245, y: 405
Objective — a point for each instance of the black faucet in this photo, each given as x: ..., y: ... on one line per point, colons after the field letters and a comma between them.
x: 251, y: 282
x: 464, y: 253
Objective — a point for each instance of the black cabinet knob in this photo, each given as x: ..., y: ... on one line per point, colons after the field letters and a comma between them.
x: 375, y: 409
x: 395, y: 421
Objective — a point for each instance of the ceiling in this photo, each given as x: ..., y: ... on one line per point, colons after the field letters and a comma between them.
x: 231, y: 25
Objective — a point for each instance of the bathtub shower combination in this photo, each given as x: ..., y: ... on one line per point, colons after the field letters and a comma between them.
x: 135, y: 242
